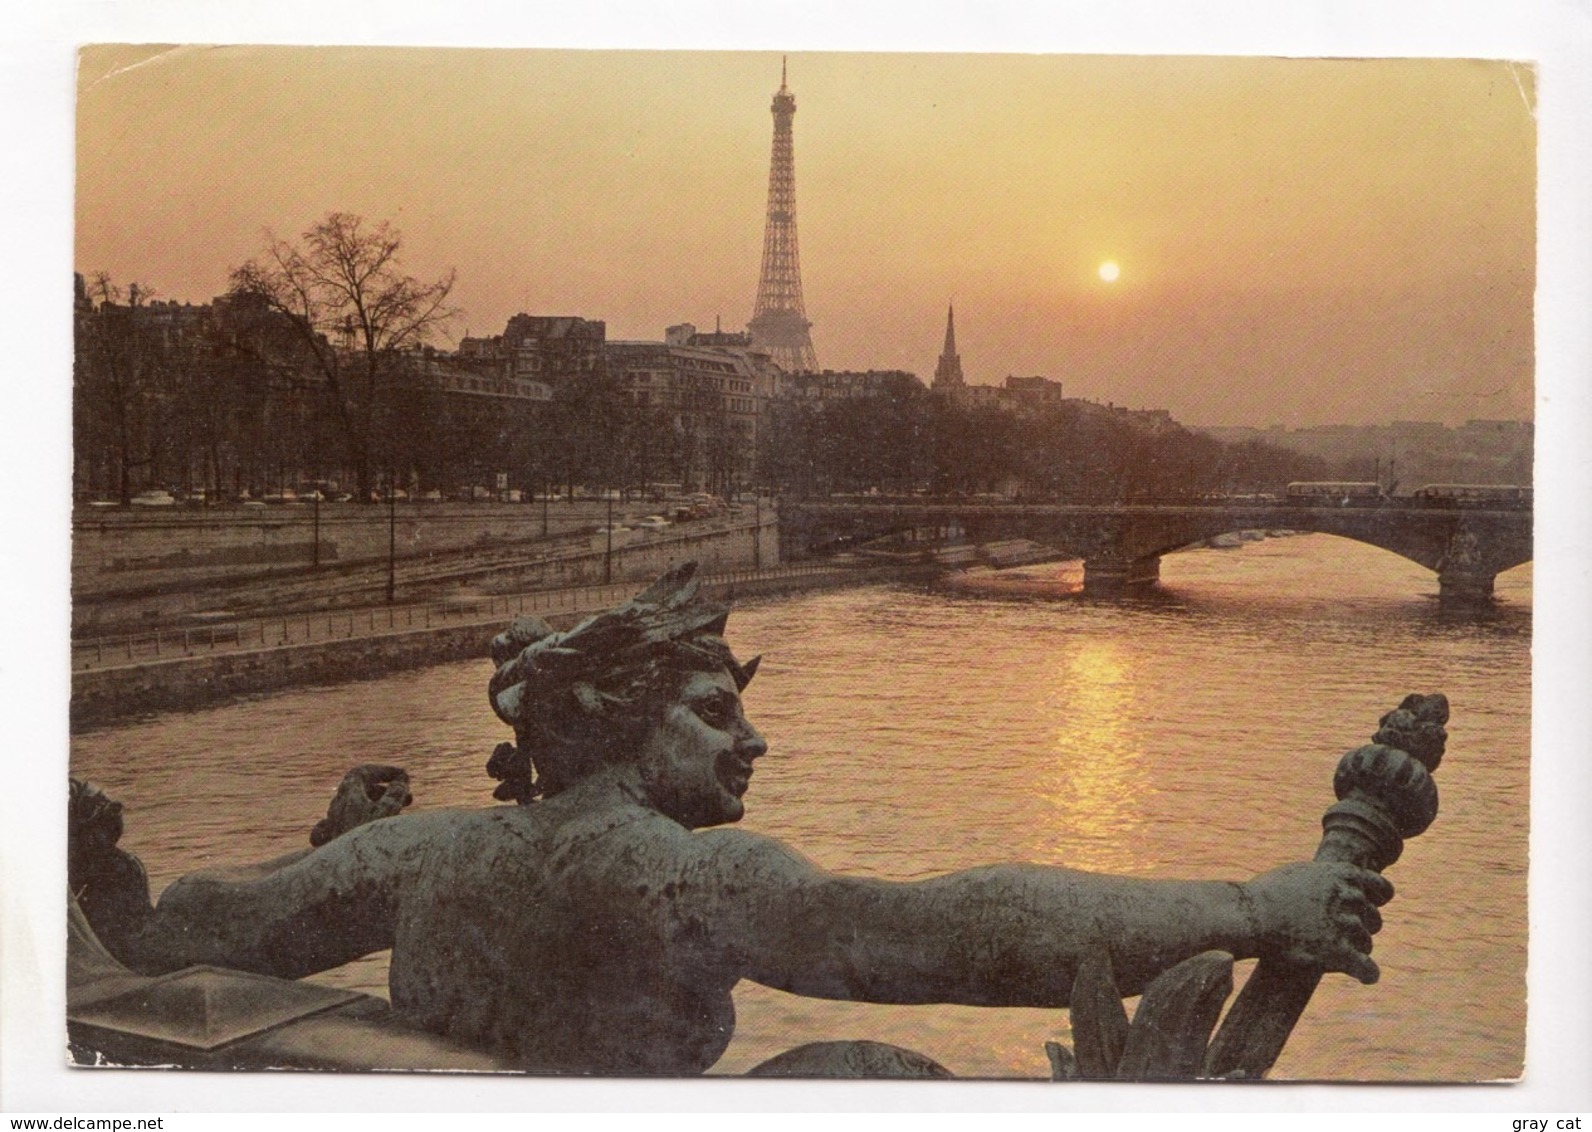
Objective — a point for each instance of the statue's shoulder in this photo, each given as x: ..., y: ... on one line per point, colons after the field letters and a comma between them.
x: 750, y: 855
x: 629, y: 839
x: 432, y: 835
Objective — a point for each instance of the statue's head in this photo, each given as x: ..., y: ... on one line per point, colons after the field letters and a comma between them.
x: 650, y: 683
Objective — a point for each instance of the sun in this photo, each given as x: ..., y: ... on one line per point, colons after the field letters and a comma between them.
x: 1109, y: 271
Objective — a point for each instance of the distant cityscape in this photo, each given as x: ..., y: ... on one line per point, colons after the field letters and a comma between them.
x: 222, y: 401
x: 316, y: 373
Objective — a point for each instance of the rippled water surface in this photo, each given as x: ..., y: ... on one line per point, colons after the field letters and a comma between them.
x: 918, y: 731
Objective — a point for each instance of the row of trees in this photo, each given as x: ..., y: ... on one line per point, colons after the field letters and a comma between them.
x: 296, y: 371
x: 590, y: 435
x: 911, y: 440
x: 175, y: 395
x: 315, y: 368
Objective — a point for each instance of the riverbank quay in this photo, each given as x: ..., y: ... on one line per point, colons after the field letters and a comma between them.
x: 115, y: 680
x: 429, y: 554
x: 120, y: 549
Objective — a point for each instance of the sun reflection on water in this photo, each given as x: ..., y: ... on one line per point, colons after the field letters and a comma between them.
x: 1095, y: 781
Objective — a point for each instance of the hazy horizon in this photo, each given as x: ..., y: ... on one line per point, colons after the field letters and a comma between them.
x: 1300, y: 241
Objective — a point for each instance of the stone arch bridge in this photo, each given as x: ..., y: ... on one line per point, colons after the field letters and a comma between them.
x: 1121, y: 544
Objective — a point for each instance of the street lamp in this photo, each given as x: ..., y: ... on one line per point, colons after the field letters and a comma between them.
x: 608, y: 555
x: 392, y: 535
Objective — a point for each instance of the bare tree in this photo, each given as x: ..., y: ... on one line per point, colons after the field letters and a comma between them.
x: 344, y: 289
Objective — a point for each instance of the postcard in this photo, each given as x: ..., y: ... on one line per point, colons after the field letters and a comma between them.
x: 831, y: 565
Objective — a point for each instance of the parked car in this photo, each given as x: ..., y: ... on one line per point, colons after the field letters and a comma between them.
x: 154, y: 498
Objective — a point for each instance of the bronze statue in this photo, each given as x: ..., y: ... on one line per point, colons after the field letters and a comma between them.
x: 598, y: 923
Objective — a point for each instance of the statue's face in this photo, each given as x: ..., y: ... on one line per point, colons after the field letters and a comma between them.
x: 697, y: 761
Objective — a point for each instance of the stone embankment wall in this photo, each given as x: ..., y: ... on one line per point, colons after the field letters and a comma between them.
x: 716, y: 546
x: 145, y: 548
x: 106, y: 695
x: 111, y: 596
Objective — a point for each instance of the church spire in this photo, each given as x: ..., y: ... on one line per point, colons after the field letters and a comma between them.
x: 948, y: 373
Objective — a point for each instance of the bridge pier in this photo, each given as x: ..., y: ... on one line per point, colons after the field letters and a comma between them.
x: 1106, y: 575
x: 1466, y: 572
x: 1465, y: 587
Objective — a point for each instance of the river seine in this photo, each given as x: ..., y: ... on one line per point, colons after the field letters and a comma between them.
x: 915, y: 731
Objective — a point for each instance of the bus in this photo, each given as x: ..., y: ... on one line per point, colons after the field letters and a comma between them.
x: 1499, y: 495
x: 1335, y: 493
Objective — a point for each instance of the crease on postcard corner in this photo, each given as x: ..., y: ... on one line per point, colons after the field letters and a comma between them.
x: 1525, y: 95
x: 160, y: 55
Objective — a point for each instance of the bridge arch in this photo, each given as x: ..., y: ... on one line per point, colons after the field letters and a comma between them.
x: 1422, y: 552
x: 1467, y: 549
x: 1121, y: 545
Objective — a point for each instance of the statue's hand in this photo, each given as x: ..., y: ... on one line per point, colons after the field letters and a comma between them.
x: 108, y: 883
x: 1321, y: 914
x: 366, y: 793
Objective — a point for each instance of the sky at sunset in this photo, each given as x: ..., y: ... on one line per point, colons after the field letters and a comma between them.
x: 1297, y: 241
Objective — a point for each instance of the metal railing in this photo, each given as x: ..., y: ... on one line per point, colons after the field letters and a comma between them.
x: 256, y: 634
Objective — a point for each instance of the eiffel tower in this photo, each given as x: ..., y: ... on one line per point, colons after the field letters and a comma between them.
x: 779, y: 321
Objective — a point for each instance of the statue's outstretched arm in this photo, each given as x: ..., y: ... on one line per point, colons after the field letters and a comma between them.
x: 324, y: 909
x: 1015, y: 935
x: 301, y: 913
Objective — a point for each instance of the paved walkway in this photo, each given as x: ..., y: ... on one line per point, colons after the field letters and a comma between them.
x: 257, y: 634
